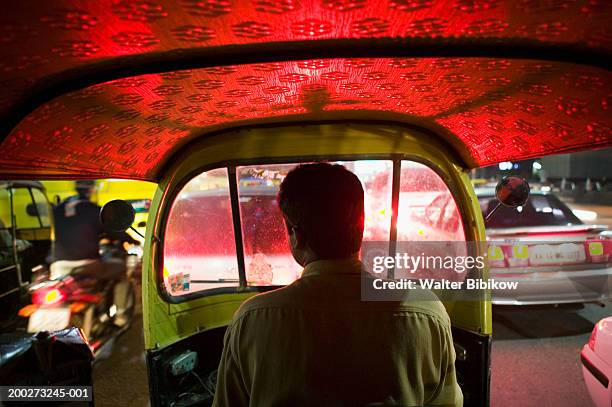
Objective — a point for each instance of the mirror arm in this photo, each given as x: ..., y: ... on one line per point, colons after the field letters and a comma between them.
x: 154, y: 238
x: 492, y: 212
x: 137, y: 232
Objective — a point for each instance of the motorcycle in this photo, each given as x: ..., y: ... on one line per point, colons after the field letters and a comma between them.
x: 84, y: 300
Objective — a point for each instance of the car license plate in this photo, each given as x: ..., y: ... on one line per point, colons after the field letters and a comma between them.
x: 548, y: 254
x: 49, y: 319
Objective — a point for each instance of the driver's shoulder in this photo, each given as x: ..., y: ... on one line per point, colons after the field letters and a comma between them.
x: 284, y: 297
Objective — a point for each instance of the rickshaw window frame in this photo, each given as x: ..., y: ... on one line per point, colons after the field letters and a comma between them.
x: 40, y: 222
x: 237, y: 225
x: 14, y: 235
x: 231, y: 165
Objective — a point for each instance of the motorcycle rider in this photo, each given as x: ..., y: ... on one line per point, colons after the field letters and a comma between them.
x: 78, y: 231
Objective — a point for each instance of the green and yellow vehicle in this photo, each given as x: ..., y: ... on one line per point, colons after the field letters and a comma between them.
x: 26, y: 235
x: 215, y: 101
x: 216, y: 227
x: 137, y: 193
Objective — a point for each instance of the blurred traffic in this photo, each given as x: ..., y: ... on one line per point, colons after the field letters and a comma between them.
x: 60, y: 268
x: 557, y: 245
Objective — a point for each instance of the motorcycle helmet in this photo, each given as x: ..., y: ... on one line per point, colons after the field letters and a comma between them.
x: 85, y: 188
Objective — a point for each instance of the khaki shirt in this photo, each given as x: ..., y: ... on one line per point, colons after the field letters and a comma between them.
x: 315, y: 343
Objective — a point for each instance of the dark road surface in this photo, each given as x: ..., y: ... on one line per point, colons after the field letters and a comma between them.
x: 536, y: 355
x: 120, y: 373
x: 536, y: 359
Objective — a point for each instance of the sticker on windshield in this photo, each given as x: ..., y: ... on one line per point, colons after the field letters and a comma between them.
x: 179, y: 282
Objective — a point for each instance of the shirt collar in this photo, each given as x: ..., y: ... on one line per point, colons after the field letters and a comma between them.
x: 350, y: 265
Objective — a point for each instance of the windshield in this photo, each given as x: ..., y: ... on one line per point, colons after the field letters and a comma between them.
x: 539, y: 210
x: 200, y: 251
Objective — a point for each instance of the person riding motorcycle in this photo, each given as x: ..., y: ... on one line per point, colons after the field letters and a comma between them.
x: 78, y: 231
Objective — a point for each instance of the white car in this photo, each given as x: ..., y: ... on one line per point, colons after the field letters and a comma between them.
x: 542, y: 245
x: 596, y: 358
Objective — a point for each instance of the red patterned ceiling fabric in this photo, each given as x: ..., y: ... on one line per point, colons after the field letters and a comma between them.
x: 491, y: 110
x: 500, y: 109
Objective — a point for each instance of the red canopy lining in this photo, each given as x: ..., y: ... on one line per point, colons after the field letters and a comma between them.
x: 57, y: 36
x: 130, y: 65
x: 499, y: 110
x: 63, y: 43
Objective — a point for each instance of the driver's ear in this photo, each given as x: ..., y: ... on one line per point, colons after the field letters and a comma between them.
x: 296, y: 238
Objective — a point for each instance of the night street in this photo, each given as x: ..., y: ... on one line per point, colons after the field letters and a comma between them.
x: 536, y: 355
x: 120, y: 373
x: 396, y: 166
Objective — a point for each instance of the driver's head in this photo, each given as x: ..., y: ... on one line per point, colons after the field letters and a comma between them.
x: 323, y: 209
x: 85, y: 188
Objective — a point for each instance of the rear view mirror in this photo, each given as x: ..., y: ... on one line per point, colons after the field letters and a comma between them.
x: 117, y: 216
x: 512, y: 191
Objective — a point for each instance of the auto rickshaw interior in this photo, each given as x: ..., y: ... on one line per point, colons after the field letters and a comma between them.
x: 219, y: 236
x: 215, y: 101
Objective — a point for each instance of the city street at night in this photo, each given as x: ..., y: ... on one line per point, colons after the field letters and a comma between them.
x: 536, y: 355
x: 296, y: 203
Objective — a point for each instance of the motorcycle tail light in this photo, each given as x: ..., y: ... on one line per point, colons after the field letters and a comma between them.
x: 77, y: 307
x: 49, y: 296
x: 28, y: 310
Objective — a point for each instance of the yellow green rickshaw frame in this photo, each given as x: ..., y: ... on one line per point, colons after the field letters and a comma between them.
x: 167, y: 322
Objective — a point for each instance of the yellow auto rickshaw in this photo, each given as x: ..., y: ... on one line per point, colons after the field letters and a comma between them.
x: 26, y: 236
x: 137, y: 193
x: 216, y: 100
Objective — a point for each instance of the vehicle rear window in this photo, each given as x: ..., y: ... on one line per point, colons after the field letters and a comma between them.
x: 539, y: 210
